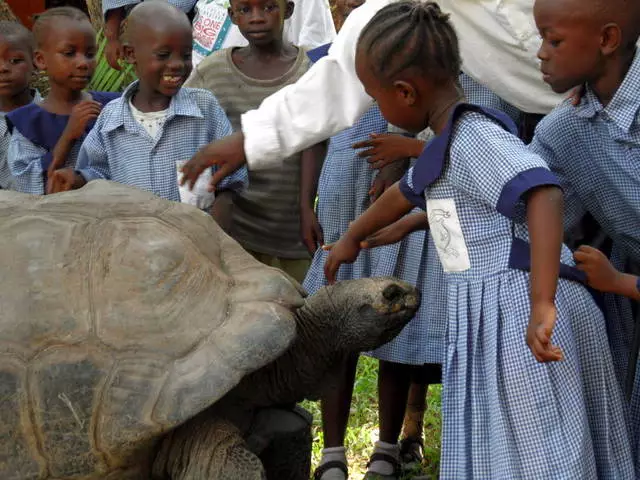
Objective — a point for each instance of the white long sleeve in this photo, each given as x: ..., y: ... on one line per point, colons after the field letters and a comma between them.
x: 498, y: 43
x: 323, y: 102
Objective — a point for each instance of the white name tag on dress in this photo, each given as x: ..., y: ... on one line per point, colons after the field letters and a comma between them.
x: 446, y: 232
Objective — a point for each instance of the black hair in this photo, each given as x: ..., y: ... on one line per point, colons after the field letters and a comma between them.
x: 18, y: 31
x: 412, y: 34
x: 43, y: 22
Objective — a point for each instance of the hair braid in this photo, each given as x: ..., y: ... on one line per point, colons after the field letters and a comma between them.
x: 412, y: 34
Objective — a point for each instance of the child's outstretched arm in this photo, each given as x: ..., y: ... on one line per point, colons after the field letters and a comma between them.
x: 603, y: 276
x: 397, y: 231
x: 391, y: 206
x: 544, y: 219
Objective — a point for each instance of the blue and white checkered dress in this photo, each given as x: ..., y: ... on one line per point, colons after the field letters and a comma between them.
x: 343, y: 194
x: 120, y: 149
x: 506, y: 416
x: 595, y: 150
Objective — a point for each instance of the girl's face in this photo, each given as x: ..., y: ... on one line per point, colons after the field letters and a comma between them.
x: 16, y: 66
x: 399, y: 101
x: 68, y: 53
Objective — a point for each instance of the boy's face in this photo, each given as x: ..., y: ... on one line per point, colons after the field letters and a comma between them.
x: 162, y: 57
x: 68, y: 53
x: 16, y: 66
x: 571, y: 50
x: 260, y: 21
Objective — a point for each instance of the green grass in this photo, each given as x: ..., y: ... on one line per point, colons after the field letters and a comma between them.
x: 362, y: 430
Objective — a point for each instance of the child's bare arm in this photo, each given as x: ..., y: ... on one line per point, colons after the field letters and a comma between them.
x: 603, y: 276
x: 113, y: 21
x: 397, y: 231
x: 310, y: 230
x: 544, y: 218
x: 391, y: 206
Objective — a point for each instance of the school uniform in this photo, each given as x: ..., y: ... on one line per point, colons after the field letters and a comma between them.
x: 34, y: 134
x: 6, y: 179
x: 505, y: 415
x: 121, y: 149
x: 595, y: 150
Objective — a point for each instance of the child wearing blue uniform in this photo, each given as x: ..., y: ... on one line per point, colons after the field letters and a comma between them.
x: 48, y: 135
x: 594, y: 146
x: 16, y: 70
x: 494, y: 212
x: 139, y: 138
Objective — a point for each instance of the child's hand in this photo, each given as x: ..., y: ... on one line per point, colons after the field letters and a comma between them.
x: 310, y: 230
x: 539, y: 332
x: 386, y: 177
x: 345, y: 250
x: 64, y: 180
x: 83, y: 113
x: 227, y: 154
x: 385, y: 148
x: 601, y: 275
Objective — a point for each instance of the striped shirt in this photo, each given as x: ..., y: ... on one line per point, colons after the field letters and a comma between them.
x: 266, y: 216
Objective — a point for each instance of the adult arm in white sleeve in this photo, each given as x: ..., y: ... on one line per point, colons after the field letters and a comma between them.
x: 326, y: 100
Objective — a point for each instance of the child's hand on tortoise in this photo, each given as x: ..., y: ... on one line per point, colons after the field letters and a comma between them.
x: 64, y: 180
x: 385, y: 148
x: 345, y: 250
x: 539, y: 332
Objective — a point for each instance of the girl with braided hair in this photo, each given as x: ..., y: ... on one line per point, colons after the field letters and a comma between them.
x: 512, y: 294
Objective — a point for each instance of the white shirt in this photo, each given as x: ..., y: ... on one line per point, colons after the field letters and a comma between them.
x: 498, y: 43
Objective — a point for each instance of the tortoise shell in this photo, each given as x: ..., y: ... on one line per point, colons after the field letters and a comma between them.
x: 122, y: 315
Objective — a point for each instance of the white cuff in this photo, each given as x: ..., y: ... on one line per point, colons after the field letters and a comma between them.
x: 261, y: 141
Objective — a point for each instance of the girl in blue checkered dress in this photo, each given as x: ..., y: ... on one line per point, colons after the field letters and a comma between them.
x: 343, y: 194
x: 494, y: 213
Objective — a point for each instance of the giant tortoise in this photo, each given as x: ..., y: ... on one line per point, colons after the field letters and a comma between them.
x: 137, y: 339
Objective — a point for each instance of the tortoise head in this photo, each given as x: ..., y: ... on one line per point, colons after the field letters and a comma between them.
x: 364, y: 314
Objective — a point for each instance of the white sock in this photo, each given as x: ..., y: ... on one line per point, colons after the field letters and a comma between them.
x: 382, y: 467
x: 334, y: 454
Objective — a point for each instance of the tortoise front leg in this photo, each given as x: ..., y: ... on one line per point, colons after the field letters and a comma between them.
x: 206, y: 448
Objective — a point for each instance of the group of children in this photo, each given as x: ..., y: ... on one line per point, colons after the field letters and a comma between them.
x: 532, y: 369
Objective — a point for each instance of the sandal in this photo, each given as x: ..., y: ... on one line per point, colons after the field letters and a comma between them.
x: 411, y: 452
x: 376, y: 457
x: 317, y: 474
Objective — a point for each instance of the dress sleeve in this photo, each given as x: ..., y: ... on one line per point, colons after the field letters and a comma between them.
x: 406, y: 187
x: 26, y: 161
x: 494, y: 166
x: 93, y: 160
x: 311, y: 24
x: 326, y: 100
